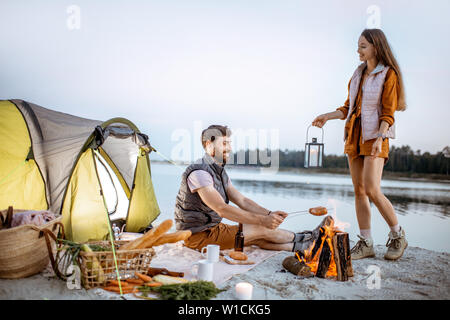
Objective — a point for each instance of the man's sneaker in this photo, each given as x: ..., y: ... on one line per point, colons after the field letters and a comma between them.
x: 302, y: 245
x: 303, y: 236
x: 363, y: 249
x: 396, y: 245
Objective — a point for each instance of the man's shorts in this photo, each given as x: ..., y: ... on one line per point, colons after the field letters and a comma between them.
x: 221, y: 234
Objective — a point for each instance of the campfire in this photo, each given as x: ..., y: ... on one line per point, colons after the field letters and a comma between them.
x: 328, y: 256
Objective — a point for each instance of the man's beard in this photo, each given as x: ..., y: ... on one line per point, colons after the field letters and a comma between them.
x: 221, y: 160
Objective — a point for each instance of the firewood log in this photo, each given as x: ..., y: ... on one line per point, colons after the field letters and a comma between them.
x: 342, y: 256
x: 317, y: 245
x: 293, y: 265
x: 328, y: 221
x: 324, y: 260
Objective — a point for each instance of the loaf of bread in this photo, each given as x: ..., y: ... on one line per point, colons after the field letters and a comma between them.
x: 173, y: 237
x: 238, y: 255
x: 150, y: 237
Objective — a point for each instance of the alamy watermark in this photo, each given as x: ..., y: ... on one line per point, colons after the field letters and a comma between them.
x: 73, y: 281
x: 374, y: 19
x: 73, y: 21
x: 373, y: 281
x: 249, y: 146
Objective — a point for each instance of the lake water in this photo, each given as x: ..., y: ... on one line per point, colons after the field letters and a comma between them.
x: 422, y: 207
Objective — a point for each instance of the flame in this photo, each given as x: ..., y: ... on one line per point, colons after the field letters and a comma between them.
x: 301, y: 259
x: 341, y: 225
x: 312, y: 262
x: 327, y: 235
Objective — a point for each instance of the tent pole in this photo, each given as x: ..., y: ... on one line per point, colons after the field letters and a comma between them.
x: 111, y: 237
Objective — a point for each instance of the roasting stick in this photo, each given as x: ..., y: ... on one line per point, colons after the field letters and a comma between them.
x: 302, y: 212
x: 297, y: 213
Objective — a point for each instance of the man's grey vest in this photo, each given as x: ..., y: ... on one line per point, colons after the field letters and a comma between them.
x: 190, y: 211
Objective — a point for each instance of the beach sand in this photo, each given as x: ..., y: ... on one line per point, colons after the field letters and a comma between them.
x: 419, y: 274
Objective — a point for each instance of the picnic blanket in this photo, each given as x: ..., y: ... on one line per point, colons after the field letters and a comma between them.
x: 177, y: 257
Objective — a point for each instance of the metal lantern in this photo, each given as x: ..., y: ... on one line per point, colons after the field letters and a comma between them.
x: 313, y: 152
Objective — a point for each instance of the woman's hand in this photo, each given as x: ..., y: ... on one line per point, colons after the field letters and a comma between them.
x: 320, y: 120
x: 376, y: 147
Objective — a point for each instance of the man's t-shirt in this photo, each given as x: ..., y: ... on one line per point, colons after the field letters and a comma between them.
x: 200, y: 178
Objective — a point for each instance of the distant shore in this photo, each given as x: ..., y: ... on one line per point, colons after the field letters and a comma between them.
x: 403, y: 176
x: 412, y: 176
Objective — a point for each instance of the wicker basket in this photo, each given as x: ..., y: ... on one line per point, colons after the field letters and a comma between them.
x: 128, y: 262
x: 23, y: 249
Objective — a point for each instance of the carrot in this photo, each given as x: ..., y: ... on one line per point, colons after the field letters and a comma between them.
x: 143, y: 277
x: 153, y: 284
x: 116, y: 283
x: 117, y: 290
x: 136, y: 281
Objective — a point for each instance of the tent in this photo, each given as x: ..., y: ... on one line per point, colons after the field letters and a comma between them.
x: 82, y: 169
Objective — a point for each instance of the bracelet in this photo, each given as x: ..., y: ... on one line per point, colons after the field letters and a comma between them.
x: 381, y: 135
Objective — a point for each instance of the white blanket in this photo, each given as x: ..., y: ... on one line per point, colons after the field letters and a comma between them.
x: 177, y: 257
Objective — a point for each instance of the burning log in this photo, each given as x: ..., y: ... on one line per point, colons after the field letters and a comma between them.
x: 297, y: 267
x: 328, y: 222
x: 342, y: 256
x: 324, y: 260
x: 318, y: 243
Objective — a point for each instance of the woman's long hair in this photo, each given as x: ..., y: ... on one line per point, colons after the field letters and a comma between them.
x: 384, y: 55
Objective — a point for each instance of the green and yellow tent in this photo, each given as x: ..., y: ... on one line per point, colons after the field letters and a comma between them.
x: 86, y: 170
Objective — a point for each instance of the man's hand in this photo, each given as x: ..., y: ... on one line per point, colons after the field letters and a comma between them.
x: 212, y: 198
x: 274, y: 219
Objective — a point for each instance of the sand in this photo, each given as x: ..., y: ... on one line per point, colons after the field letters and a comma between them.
x: 419, y: 274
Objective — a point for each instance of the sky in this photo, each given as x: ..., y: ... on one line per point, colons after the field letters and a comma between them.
x: 264, y: 68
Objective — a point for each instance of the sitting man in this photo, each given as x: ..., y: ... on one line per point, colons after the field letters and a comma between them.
x: 203, y: 198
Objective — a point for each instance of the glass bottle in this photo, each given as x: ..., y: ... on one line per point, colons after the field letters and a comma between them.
x: 239, y: 240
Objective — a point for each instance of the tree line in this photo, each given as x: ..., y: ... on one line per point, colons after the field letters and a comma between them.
x: 401, y: 159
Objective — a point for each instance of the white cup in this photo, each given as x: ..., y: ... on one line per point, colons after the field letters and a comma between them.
x: 244, y: 291
x: 212, y: 252
x: 205, y: 270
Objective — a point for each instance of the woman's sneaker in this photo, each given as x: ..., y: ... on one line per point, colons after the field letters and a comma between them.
x: 396, y: 245
x: 363, y: 249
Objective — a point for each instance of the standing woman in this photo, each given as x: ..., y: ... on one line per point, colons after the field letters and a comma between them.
x: 375, y: 92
